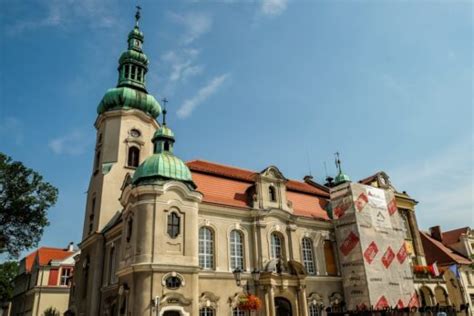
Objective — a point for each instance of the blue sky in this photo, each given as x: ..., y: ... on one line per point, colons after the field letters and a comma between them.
x: 389, y: 84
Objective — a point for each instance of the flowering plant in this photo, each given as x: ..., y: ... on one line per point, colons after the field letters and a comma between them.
x: 249, y: 302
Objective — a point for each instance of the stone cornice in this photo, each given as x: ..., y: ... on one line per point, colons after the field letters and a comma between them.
x: 131, y: 112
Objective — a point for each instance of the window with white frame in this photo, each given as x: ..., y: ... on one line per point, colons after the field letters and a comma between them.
x: 276, y: 246
x: 308, y: 257
x: 65, y: 276
x: 206, y: 248
x: 236, y: 250
x: 314, y: 310
x: 238, y: 312
x: 206, y: 311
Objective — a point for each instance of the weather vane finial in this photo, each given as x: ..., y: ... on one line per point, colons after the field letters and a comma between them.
x: 165, y: 100
x: 338, y: 162
x: 137, y: 15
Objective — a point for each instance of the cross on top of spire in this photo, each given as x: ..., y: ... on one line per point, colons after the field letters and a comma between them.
x: 137, y: 15
x: 338, y: 162
x: 165, y: 101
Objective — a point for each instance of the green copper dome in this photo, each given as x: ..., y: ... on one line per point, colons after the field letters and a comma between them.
x: 162, y: 166
x: 341, y: 178
x: 131, y: 92
x: 164, y: 131
x: 134, y: 57
x: 128, y: 98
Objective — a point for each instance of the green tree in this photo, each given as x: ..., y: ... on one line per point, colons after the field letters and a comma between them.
x: 24, y: 199
x: 51, y: 311
x: 8, y: 271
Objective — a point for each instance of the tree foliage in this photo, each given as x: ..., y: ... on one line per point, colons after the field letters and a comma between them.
x: 51, y: 311
x: 8, y: 271
x: 24, y: 200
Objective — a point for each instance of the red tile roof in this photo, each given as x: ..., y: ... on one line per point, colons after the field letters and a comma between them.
x: 452, y: 236
x: 45, y: 255
x: 226, y: 185
x: 435, y: 251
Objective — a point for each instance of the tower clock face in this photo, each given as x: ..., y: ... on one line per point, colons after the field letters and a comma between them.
x: 137, y: 43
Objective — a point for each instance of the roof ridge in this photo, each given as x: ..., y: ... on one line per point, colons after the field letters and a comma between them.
x: 221, y: 164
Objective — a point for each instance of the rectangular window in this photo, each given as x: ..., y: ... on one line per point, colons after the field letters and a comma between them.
x: 134, y: 69
x: 66, y: 276
x: 127, y: 71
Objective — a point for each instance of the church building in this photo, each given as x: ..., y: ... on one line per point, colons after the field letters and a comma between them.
x: 165, y: 237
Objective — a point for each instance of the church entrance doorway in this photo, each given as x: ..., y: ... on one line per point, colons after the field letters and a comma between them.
x: 282, y: 307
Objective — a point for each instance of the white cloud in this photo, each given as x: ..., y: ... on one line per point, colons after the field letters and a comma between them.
x: 61, y: 13
x: 11, y: 128
x: 443, y: 185
x: 202, y: 95
x: 196, y: 24
x: 74, y: 143
x: 182, y: 64
x: 273, y: 7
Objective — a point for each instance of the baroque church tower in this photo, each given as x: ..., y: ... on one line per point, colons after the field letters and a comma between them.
x: 125, y: 124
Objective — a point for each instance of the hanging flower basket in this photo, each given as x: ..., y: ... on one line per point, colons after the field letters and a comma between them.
x: 249, y: 302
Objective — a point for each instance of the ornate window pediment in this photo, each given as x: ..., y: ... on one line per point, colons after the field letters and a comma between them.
x: 208, y: 299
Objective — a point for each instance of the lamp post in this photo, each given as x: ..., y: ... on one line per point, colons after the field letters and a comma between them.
x: 238, y: 278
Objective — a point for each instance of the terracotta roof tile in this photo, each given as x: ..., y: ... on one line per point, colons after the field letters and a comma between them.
x: 435, y: 251
x: 452, y: 236
x: 45, y: 255
x: 226, y: 185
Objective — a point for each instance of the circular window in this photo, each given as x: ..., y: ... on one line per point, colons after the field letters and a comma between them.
x: 135, y: 133
x: 173, y: 282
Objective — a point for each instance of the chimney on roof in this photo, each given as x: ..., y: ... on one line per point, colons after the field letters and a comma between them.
x: 435, y: 233
x: 70, y: 247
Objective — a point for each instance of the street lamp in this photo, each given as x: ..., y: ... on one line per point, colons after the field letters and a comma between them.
x: 238, y: 276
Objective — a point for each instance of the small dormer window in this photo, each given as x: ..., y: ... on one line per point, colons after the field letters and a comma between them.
x: 272, y: 193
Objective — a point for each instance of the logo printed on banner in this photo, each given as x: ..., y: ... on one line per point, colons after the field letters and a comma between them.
x: 413, y: 301
x: 349, y: 243
x: 371, y: 252
x: 400, y: 304
x: 388, y: 257
x: 341, y: 208
x: 361, y: 201
x: 392, y: 207
x: 402, y: 254
x: 382, y: 303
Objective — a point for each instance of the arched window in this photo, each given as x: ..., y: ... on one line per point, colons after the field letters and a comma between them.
x: 139, y: 74
x: 272, y: 193
x: 173, y: 225
x: 331, y: 265
x: 308, y: 257
x: 206, y: 311
x: 129, y: 229
x: 167, y: 146
x: 112, y: 265
x: 238, y: 312
x: 314, y: 310
x: 133, y: 156
x: 236, y: 250
x: 206, y: 248
x: 276, y: 246
x: 133, y: 72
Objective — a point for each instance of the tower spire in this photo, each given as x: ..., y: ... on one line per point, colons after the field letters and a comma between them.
x: 341, y: 177
x: 165, y: 101
x: 137, y: 15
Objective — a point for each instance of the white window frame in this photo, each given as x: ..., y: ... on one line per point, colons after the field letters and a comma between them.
x: 308, y: 255
x: 206, y: 248
x: 236, y: 250
x: 276, y: 245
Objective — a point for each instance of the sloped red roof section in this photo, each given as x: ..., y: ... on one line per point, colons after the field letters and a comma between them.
x: 452, y: 236
x: 226, y: 185
x: 435, y: 251
x: 45, y: 255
